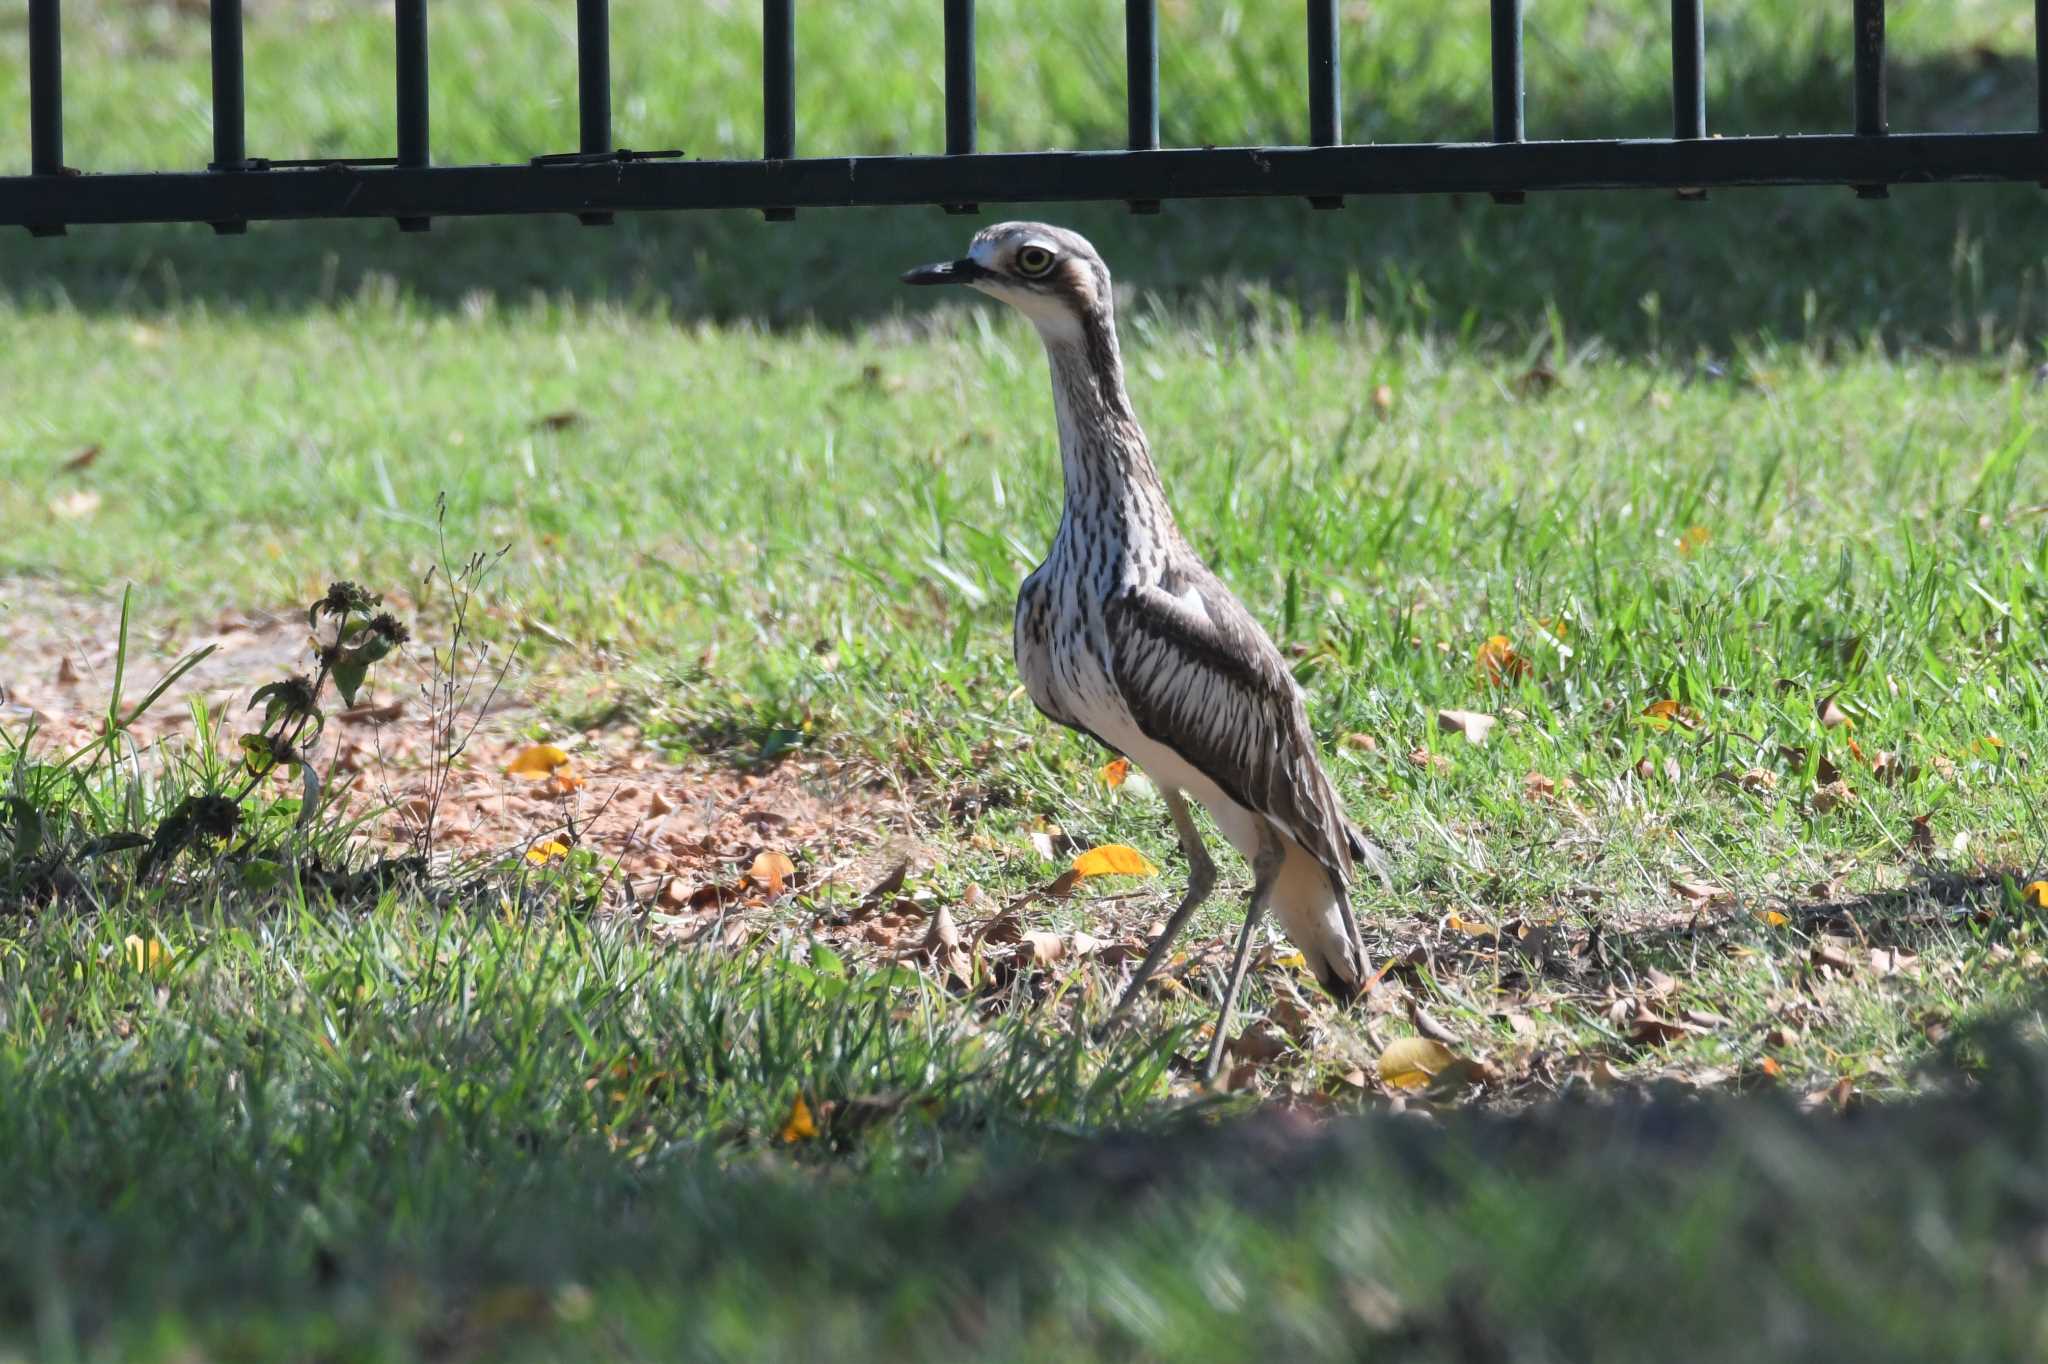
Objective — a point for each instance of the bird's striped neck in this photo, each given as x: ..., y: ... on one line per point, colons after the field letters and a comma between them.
x: 1102, y: 448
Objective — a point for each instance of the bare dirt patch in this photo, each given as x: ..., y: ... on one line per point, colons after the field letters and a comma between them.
x: 680, y: 837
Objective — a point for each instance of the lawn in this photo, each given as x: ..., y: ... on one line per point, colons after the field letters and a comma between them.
x: 1732, y: 516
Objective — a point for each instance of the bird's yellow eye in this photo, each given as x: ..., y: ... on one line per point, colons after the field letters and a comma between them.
x: 1034, y: 260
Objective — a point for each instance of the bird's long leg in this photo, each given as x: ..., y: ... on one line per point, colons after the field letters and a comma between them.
x: 1265, y: 868
x: 1201, y: 880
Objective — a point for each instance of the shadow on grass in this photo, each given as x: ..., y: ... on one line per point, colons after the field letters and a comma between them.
x: 1951, y: 268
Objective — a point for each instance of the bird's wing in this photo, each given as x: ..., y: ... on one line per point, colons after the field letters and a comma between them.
x: 1200, y: 676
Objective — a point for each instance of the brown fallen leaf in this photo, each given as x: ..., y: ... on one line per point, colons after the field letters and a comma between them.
x: 1832, y: 796
x: 1041, y: 948
x: 1889, y: 961
x: 1428, y: 761
x: 941, y: 947
x: 1648, y: 1029
x: 771, y: 871
x: 1830, y: 954
x: 1259, y: 1044
x: 1921, y: 840
x: 1832, y: 716
x: 1470, y: 723
x: 1699, y: 892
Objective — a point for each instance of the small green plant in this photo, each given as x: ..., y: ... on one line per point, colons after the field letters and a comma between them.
x: 59, y: 819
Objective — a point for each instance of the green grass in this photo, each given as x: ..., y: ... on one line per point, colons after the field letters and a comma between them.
x: 1792, y: 452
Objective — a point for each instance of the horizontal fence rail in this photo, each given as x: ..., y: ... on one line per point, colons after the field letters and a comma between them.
x: 600, y: 179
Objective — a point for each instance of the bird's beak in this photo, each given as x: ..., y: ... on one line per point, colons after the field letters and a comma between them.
x: 946, y: 272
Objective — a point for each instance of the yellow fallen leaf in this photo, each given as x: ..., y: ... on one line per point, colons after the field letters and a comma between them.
x: 1114, y: 859
x: 800, y: 1126
x: 548, y: 852
x: 1672, y: 712
x: 537, y: 761
x: 145, y: 955
x: 1498, y: 662
x: 770, y: 871
x: 1412, y: 1062
x: 1114, y: 774
x: 2035, y: 893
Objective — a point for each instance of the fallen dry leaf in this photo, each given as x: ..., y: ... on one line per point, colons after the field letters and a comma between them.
x: 1470, y: 723
x: 1832, y: 716
x: 1428, y: 761
x: 1536, y: 786
x: 537, y: 761
x: 1889, y: 961
x: 1498, y: 662
x: 1922, y: 839
x: 1671, y: 712
x: 1114, y: 859
x: 799, y: 1126
x: 1042, y: 948
x: 1835, y: 794
x: 1261, y: 1042
x: 75, y: 505
x: 1412, y: 1062
x: 1699, y: 892
x: 771, y: 871
x: 941, y: 947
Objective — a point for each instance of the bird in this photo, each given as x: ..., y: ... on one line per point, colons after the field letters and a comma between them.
x: 1125, y: 635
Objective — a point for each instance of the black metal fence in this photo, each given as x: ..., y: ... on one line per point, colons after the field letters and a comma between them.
x: 599, y: 179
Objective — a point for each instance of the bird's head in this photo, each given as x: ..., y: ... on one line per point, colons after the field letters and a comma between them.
x: 1049, y: 274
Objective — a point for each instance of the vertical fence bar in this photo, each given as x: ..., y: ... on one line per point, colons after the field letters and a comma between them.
x: 960, y: 77
x: 45, y: 88
x: 1870, y: 111
x: 778, y: 89
x: 1325, y: 86
x: 1508, y: 82
x: 1870, y: 115
x: 2041, y: 65
x: 46, y: 97
x: 1688, y: 70
x: 1688, y: 78
x: 1141, y: 65
x: 594, y: 76
x: 594, y: 88
x: 960, y: 118
x: 411, y: 17
x: 1325, y: 114
x: 778, y: 79
x: 1141, y: 82
x: 230, y: 149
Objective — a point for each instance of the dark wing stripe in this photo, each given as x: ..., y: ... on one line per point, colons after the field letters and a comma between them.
x: 1215, y: 690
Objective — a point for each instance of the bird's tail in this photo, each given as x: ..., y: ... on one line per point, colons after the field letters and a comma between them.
x: 1316, y: 919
